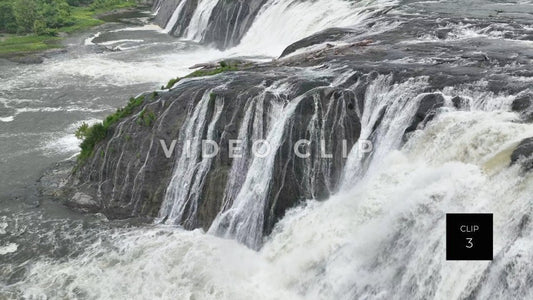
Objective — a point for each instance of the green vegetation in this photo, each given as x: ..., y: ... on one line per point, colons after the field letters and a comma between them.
x: 29, y: 43
x: 33, y: 25
x: 223, y: 67
x: 92, y: 135
x: 146, y: 118
x: 124, y: 112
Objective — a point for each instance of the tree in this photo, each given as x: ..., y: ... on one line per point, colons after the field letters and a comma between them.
x: 55, y: 13
x: 26, y: 12
x: 39, y: 27
x: 8, y: 23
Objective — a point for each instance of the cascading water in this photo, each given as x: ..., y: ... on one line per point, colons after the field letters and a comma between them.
x: 387, y: 240
x: 442, y: 122
x: 382, y: 238
x: 276, y: 25
x: 244, y: 220
x: 185, y: 187
x: 389, y: 108
x: 281, y: 23
x: 174, y: 18
x: 200, y: 20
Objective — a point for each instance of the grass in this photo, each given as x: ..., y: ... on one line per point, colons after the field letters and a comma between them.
x: 83, y: 18
x: 223, y: 67
x: 28, y: 43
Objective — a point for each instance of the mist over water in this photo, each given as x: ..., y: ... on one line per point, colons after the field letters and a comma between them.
x: 381, y: 236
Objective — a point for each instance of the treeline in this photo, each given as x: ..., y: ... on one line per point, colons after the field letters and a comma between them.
x: 43, y: 17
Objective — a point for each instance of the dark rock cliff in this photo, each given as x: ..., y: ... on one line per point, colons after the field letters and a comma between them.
x: 129, y: 172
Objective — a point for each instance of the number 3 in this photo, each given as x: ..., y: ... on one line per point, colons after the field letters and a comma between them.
x: 469, y: 243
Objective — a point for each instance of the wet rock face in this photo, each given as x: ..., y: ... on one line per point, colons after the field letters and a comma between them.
x: 129, y: 173
x: 524, y: 154
x: 166, y: 8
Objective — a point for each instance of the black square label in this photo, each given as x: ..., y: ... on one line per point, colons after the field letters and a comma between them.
x: 469, y: 237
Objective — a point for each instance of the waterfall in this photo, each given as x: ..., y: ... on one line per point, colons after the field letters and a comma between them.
x: 266, y: 27
x: 174, y: 18
x: 244, y: 220
x: 200, y: 20
x: 382, y: 239
x: 388, y: 110
x: 282, y: 22
x: 253, y: 123
x: 385, y: 237
x: 185, y: 187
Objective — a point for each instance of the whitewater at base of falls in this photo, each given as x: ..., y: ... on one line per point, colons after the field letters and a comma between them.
x: 384, y: 239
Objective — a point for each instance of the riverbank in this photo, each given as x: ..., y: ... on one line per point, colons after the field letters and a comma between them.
x: 18, y: 47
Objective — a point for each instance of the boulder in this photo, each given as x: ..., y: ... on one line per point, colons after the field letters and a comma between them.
x: 461, y: 103
x: 523, y: 105
x: 427, y: 110
x: 523, y: 154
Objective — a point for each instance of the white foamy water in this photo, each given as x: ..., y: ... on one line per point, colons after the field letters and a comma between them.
x: 68, y: 143
x: 9, y: 248
x: 7, y: 119
x: 382, y: 239
x: 147, y: 27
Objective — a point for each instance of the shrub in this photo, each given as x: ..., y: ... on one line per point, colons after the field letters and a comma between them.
x: 25, y: 12
x: 92, y: 135
x: 146, y: 117
x: 8, y: 22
